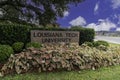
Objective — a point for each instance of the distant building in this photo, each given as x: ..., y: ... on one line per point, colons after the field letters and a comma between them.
x: 108, y: 33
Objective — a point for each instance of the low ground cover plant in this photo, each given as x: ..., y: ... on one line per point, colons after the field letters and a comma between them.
x: 52, y: 57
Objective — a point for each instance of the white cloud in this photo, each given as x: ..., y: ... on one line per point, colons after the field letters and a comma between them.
x: 93, y: 26
x: 102, y: 25
x: 79, y: 21
x: 115, y: 4
x: 118, y: 29
x: 96, y: 8
x: 66, y: 13
x: 116, y: 17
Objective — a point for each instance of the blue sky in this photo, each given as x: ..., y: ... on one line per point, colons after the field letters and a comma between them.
x: 101, y: 15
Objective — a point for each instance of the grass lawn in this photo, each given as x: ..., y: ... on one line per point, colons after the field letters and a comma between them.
x: 114, y: 44
x: 106, y: 73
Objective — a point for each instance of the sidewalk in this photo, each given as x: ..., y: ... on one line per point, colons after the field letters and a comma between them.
x: 108, y: 39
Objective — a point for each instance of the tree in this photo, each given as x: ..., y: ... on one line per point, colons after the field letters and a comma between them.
x: 34, y: 11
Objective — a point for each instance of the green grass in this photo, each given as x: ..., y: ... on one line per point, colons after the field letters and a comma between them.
x: 106, y: 73
x: 114, y: 44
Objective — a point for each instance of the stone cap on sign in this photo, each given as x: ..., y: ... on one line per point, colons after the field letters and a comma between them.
x: 54, y: 36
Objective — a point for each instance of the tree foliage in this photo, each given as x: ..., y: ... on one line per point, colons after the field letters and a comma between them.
x: 34, y: 11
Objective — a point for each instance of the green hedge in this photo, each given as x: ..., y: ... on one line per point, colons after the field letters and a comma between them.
x: 11, y: 33
x: 86, y: 34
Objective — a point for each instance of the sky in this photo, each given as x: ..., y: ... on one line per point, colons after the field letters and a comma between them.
x: 101, y: 15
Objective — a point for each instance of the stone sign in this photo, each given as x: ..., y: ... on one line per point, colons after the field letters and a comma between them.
x: 54, y: 36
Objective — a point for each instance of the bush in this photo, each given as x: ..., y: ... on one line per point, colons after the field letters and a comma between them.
x: 86, y: 34
x: 5, y: 52
x: 101, y: 45
x: 89, y: 44
x: 11, y: 33
x: 33, y: 44
x: 61, y: 57
x: 100, y: 42
x: 18, y: 46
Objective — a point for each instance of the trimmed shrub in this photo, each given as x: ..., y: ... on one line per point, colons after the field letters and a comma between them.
x: 97, y: 43
x: 100, y: 42
x: 11, y: 33
x: 5, y: 52
x: 18, y: 46
x: 86, y: 34
x: 89, y: 44
x: 33, y: 44
x: 101, y: 45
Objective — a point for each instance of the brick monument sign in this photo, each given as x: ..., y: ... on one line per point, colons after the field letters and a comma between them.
x: 54, y: 36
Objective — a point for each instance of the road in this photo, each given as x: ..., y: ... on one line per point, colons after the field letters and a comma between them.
x: 108, y: 39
